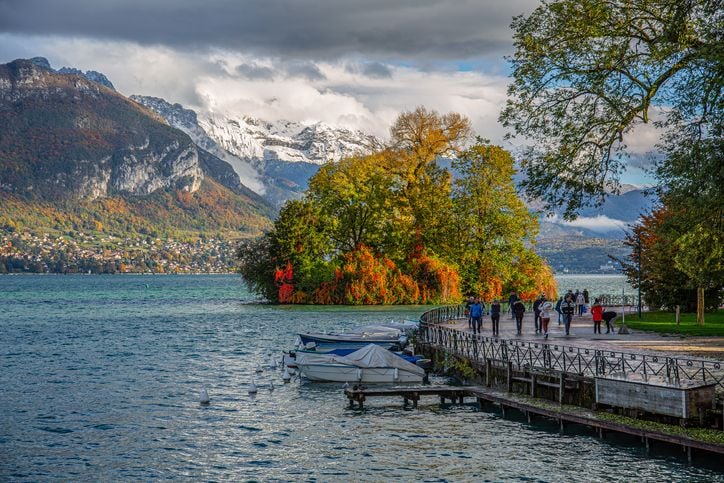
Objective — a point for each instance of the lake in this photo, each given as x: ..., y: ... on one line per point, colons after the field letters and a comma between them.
x: 101, y: 378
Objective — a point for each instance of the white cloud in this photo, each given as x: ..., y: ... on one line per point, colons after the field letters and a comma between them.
x: 598, y: 224
x: 220, y: 81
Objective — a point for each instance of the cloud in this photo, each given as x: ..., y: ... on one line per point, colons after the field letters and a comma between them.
x: 305, y: 70
x: 252, y: 71
x: 428, y: 30
x: 375, y: 70
x: 598, y: 224
x: 234, y: 83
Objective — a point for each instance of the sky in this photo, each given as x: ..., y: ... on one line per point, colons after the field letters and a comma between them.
x: 349, y: 63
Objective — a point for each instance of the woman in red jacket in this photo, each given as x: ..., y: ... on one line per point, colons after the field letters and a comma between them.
x: 597, y: 314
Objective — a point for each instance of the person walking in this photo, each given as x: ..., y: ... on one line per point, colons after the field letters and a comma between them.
x: 546, y: 308
x: 476, y: 315
x: 470, y: 302
x: 536, y: 312
x: 568, y: 307
x: 558, y: 310
x: 511, y: 301
x: 580, y: 303
x: 585, y: 296
x: 597, y: 316
x: 495, y: 316
x: 518, y: 311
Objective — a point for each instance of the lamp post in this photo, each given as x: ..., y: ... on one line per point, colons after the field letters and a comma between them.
x: 638, y: 270
x: 623, y: 329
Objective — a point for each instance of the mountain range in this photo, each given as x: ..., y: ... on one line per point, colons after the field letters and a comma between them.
x: 72, y: 146
x: 276, y: 159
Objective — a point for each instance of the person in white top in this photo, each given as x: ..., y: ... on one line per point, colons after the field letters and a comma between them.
x: 545, y: 317
x: 580, y: 303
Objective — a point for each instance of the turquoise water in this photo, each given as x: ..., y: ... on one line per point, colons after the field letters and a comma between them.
x: 101, y: 376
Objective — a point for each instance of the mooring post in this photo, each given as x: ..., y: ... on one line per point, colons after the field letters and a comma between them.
x: 532, y: 384
x: 561, y: 422
x: 561, y: 387
x: 688, y: 454
x: 648, y: 445
x: 510, y: 376
x: 488, y: 370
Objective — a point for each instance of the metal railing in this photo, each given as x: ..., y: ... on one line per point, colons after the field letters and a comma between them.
x: 560, y: 357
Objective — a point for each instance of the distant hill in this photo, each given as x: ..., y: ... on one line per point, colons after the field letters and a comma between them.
x: 74, y: 152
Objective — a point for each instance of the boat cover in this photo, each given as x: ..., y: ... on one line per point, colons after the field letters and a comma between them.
x: 368, y: 356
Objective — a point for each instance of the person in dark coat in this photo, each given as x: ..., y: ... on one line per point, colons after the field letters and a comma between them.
x: 585, y: 296
x: 495, y: 316
x: 558, y: 310
x: 511, y: 301
x: 568, y: 307
x: 518, y: 312
x: 609, y: 316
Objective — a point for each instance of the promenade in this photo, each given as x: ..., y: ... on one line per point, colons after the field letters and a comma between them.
x: 582, y: 335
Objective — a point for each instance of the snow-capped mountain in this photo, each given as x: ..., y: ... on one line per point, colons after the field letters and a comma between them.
x: 287, y: 141
x: 275, y: 159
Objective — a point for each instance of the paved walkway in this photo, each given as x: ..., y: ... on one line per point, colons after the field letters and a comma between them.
x: 582, y: 335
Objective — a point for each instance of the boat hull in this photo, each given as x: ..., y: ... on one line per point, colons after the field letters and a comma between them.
x: 347, y: 342
x: 352, y: 374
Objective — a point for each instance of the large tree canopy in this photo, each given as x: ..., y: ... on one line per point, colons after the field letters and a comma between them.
x: 395, y: 227
x: 586, y: 72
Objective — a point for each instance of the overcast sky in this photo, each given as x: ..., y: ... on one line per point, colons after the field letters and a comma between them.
x: 351, y: 63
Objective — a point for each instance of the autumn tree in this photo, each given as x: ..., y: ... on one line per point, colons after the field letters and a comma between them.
x: 657, y: 253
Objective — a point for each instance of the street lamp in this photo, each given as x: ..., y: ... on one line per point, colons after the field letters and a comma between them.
x: 638, y: 269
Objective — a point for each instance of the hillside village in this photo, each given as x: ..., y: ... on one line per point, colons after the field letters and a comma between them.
x: 96, y: 253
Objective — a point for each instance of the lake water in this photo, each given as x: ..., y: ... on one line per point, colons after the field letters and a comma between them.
x: 101, y: 376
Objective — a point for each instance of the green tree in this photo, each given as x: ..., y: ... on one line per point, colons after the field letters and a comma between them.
x: 492, y: 227
x: 701, y: 257
x: 586, y: 72
x: 355, y: 196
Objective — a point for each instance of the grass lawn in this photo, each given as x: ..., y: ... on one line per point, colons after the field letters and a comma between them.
x: 665, y: 323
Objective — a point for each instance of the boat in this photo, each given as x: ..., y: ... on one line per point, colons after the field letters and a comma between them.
x: 371, y: 364
x: 384, y: 336
x: 290, y: 358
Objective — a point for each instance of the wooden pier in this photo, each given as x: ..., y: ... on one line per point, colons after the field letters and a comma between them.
x: 529, y: 407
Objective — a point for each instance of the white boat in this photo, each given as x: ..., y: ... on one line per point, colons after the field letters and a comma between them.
x: 371, y: 364
x: 386, y: 338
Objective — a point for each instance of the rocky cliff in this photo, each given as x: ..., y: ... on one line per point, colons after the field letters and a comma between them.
x: 275, y: 159
x: 67, y: 137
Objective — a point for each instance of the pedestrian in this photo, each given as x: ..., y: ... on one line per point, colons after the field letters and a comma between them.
x: 470, y: 302
x: 580, y: 303
x: 558, y: 310
x: 597, y: 315
x: 511, y: 301
x: 536, y: 312
x: 546, y: 308
x: 568, y: 307
x: 609, y: 316
x: 518, y: 311
x: 495, y: 316
x: 476, y: 315
x: 585, y: 296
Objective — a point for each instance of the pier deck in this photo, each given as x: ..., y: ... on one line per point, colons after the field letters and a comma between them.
x: 530, y: 407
